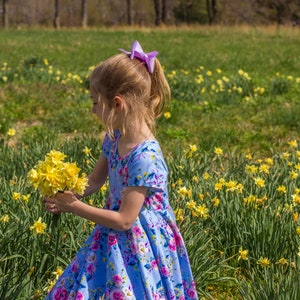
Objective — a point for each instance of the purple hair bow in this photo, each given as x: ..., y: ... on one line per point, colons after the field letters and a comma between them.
x: 137, y: 52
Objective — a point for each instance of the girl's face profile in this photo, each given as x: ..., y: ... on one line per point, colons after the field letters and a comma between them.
x: 98, y: 107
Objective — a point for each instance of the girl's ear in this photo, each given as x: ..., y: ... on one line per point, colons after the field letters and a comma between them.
x: 119, y: 102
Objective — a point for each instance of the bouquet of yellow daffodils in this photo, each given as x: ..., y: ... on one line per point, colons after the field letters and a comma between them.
x: 54, y: 175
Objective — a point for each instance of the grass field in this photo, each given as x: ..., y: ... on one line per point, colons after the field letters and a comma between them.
x: 230, y: 138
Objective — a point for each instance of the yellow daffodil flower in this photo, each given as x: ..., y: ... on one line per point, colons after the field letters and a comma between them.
x: 243, y: 254
x: 167, y: 115
x: 53, y: 175
x: 281, y: 189
x: 259, y: 182
x: 264, y: 262
x: 11, y: 132
x: 293, y: 143
x: 38, y: 227
x: 282, y: 261
x: 218, y: 151
x: 4, y: 218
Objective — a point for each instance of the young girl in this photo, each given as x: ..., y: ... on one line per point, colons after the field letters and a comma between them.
x: 135, y: 251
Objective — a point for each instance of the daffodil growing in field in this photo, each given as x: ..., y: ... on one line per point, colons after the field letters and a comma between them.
x: 167, y: 115
x: 87, y: 151
x: 296, y: 199
x: 259, y: 182
x: 58, y: 272
x: 53, y: 175
x: 243, y: 254
x: 251, y: 169
x: 38, y: 226
x: 218, y: 151
x: 293, y: 143
x: 264, y: 262
x: 179, y: 214
x: 201, y: 211
x: 281, y: 189
x: 11, y: 132
x: 16, y: 196
x: 4, y: 218
x: 282, y: 261
x: 192, y: 151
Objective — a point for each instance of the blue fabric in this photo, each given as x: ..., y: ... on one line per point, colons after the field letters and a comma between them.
x: 148, y: 261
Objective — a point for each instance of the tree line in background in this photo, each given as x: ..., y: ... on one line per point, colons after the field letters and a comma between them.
x: 84, y: 13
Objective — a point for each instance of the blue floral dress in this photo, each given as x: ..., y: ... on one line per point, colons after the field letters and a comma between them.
x: 148, y: 261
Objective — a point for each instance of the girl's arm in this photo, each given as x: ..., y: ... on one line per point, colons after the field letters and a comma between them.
x: 132, y: 202
x: 97, y: 178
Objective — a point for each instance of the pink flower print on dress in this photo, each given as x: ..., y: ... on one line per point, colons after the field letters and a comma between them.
x: 191, y: 293
x: 108, y: 202
x: 148, y: 201
x: 61, y: 294
x: 153, y: 264
x: 157, y: 201
x: 91, y: 269
x: 134, y: 248
x: 137, y: 232
x: 119, y: 202
x: 117, y: 295
x: 159, y: 297
x: 124, y: 174
x: 117, y: 279
x: 74, y: 267
x: 94, y: 246
x: 112, y: 240
x: 79, y: 296
x: 165, y: 271
x: 156, y: 296
x: 97, y: 235
x: 159, y: 197
x: 172, y: 245
x: 158, y: 206
x: 178, y: 239
x: 185, y: 284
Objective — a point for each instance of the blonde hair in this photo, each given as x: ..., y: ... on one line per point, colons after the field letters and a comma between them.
x: 146, y: 95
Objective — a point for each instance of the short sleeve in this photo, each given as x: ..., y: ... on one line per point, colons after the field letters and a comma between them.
x: 106, y: 146
x: 148, y: 169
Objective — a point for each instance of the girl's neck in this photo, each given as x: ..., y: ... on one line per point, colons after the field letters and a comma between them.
x: 140, y: 134
x: 132, y: 138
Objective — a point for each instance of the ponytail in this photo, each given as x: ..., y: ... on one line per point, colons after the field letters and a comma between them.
x: 160, y: 90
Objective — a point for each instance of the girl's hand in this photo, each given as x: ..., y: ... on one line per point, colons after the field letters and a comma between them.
x: 50, y: 205
x: 62, y: 202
